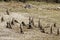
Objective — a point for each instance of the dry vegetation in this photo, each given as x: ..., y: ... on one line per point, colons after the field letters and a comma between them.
x: 45, y: 23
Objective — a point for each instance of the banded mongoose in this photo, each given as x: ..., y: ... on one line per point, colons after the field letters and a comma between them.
x: 32, y: 21
x: 12, y: 22
x: 2, y: 19
x: 8, y: 25
x: 54, y: 24
x: 39, y: 24
x: 58, y: 31
x: 30, y: 26
x: 21, y: 30
x: 7, y: 12
x: 51, y: 30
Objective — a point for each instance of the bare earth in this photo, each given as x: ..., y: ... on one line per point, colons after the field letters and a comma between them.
x: 49, y: 13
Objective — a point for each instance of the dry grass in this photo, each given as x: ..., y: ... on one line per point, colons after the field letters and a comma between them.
x: 46, y: 11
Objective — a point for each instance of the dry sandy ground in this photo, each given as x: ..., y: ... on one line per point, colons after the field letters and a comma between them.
x: 29, y: 34
x: 47, y: 16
